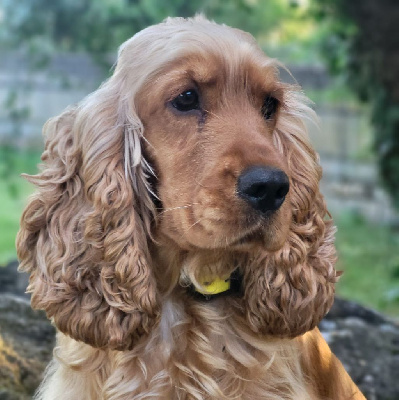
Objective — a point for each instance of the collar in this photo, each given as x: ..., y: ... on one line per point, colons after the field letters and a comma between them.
x: 212, y: 288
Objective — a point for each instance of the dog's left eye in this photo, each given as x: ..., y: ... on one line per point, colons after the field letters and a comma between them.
x: 186, y: 101
x: 269, y: 108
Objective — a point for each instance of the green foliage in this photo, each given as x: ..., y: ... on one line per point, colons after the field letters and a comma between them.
x: 16, y: 113
x: 360, y: 41
x: 100, y: 26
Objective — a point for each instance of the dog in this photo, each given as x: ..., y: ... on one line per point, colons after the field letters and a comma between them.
x: 178, y: 239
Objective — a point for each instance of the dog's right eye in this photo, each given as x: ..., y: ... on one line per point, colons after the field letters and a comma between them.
x: 186, y: 101
x: 270, y: 106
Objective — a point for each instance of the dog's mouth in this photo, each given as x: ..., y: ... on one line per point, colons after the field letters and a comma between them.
x: 249, y: 238
x: 253, y: 235
x: 266, y: 234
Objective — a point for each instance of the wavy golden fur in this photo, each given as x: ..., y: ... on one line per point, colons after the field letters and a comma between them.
x: 137, y: 200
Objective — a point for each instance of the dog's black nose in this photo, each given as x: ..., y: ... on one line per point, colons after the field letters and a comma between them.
x: 264, y: 188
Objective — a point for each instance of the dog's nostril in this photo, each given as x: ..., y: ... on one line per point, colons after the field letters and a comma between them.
x: 257, y: 190
x: 282, y: 191
x: 264, y: 188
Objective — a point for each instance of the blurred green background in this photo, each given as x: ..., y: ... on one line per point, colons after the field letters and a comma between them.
x: 344, y: 54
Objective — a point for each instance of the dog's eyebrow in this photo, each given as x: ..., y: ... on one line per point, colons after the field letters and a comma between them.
x: 173, y: 82
x: 200, y: 77
x: 203, y: 69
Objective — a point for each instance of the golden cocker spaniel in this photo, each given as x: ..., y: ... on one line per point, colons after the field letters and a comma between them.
x: 178, y: 239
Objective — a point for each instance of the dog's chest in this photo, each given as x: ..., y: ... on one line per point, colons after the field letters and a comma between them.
x: 204, y: 355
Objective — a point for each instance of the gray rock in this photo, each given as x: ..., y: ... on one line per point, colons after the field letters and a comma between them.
x: 11, y: 281
x: 26, y: 343
x: 367, y: 343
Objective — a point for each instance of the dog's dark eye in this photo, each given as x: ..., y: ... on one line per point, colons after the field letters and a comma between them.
x: 269, y: 108
x: 186, y: 101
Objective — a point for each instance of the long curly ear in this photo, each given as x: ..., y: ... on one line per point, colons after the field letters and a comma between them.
x: 83, y: 236
x: 289, y: 291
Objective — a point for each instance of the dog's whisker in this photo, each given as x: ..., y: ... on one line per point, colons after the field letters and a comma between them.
x: 147, y: 141
x: 200, y: 184
x: 177, y: 208
x: 195, y: 223
x: 212, y: 113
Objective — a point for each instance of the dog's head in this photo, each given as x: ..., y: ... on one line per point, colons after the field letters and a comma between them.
x: 190, y: 161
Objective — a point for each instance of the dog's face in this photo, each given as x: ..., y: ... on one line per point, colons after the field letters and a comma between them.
x: 209, y: 122
x: 195, y: 116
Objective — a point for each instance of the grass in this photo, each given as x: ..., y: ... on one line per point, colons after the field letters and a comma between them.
x: 368, y: 254
x: 10, y: 213
x: 14, y: 191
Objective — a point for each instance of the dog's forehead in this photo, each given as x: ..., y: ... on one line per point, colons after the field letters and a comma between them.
x: 199, y: 50
x: 218, y: 65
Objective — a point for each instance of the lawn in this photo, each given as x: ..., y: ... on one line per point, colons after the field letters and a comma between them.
x: 10, y: 213
x: 14, y: 191
x: 368, y: 254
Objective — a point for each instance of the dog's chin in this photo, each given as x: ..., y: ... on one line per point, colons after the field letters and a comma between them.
x: 259, y: 239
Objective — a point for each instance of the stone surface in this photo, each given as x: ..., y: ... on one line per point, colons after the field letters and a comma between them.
x: 11, y: 281
x: 367, y: 343
x: 26, y: 343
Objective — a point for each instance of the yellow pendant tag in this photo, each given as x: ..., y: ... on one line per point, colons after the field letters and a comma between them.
x: 216, y: 286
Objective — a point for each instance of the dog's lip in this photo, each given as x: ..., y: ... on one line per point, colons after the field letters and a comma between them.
x: 254, y: 235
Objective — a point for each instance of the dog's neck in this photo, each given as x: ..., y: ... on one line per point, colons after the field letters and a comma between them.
x: 209, y: 272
